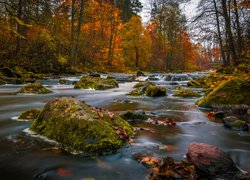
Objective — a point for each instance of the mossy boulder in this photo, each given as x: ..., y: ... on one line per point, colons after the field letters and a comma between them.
x: 134, y: 116
x: 234, y: 123
x: 155, y: 91
x: 186, y: 93
x: 233, y: 91
x: 10, y: 73
x: 136, y: 92
x: 30, y: 114
x: 78, y: 127
x: 34, y: 88
x: 96, y: 83
x: 63, y: 81
x: 143, y: 84
x: 149, y: 89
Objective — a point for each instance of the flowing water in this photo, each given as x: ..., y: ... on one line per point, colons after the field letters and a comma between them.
x: 24, y: 157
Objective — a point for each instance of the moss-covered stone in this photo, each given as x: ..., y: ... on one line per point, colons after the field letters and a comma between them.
x: 30, y: 114
x: 155, y: 91
x: 136, y: 92
x: 187, y: 93
x: 234, y: 123
x: 79, y: 127
x: 134, y: 116
x: 96, y: 83
x: 233, y: 91
x: 143, y: 84
x: 63, y: 81
x: 149, y: 89
x: 34, y: 88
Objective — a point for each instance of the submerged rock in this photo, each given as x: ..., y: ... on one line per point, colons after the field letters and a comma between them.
x: 96, y: 83
x: 79, y: 127
x: 63, y: 81
x: 30, y: 114
x: 234, y: 123
x: 186, y: 93
x: 34, y: 88
x: 211, y: 162
x: 143, y: 84
x: 233, y: 91
x: 155, y: 91
x: 94, y: 75
x: 169, y: 169
x: 137, y: 115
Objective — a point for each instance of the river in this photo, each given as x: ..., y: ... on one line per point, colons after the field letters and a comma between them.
x: 25, y: 157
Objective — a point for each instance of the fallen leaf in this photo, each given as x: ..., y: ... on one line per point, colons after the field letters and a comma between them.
x: 63, y: 172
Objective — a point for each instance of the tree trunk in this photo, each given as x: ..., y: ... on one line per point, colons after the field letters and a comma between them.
x: 19, y: 16
x: 78, y: 31
x: 72, y: 35
x: 136, y: 57
x: 238, y: 29
x: 229, y: 32
x: 219, y: 35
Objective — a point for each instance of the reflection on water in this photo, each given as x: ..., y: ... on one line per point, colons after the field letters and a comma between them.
x: 25, y: 157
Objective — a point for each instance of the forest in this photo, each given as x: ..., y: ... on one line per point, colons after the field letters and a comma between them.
x: 71, y: 36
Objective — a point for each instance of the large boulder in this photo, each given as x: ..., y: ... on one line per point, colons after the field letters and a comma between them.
x: 34, y: 88
x: 186, y: 93
x: 149, y: 89
x: 139, y: 73
x: 211, y: 162
x: 233, y: 91
x: 234, y: 123
x: 81, y: 128
x: 96, y: 83
x: 155, y: 91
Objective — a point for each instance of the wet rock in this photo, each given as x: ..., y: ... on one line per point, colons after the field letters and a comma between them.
x: 136, y: 115
x: 211, y: 162
x: 186, y: 93
x: 94, y: 75
x: 143, y: 84
x: 149, y: 89
x: 160, y: 121
x: 96, y: 83
x: 81, y: 128
x: 63, y: 81
x: 233, y: 91
x: 234, y: 123
x: 139, y: 73
x: 169, y: 169
x: 136, y: 92
x: 34, y: 88
x: 155, y: 91
x: 30, y: 114
x: 218, y: 115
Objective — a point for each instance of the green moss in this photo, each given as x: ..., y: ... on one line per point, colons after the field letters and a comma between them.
x: 234, y: 91
x: 155, y: 91
x: 34, y: 88
x: 142, y: 84
x: 63, y: 81
x: 136, y: 92
x: 187, y: 93
x: 30, y: 114
x: 96, y: 83
x: 78, y: 127
x: 134, y: 115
